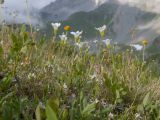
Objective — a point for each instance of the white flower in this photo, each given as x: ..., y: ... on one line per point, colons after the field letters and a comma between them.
x: 22, y: 63
x: 31, y: 76
x: 1, y: 42
x: 63, y: 37
x: 95, y: 41
x: 37, y: 29
x: 56, y: 25
x: 42, y: 105
x: 138, y: 116
x: 93, y: 76
x: 107, y: 42
x: 111, y: 116
x: 65, y: 86
x: 101, y: 29
x: 137, y: 46
x: 80, y: 45
x: 73, y: 95
x: 77, y: 34
x: 96, y: 100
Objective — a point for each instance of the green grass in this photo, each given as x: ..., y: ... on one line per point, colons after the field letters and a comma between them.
x: 45, y: 79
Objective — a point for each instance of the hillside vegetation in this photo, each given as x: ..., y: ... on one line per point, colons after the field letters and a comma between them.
x: 57, y: 80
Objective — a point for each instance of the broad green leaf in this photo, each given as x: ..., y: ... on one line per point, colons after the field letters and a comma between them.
x: 5, y: 82
x: 88, y: 109
x: 146, y: 99
x: 6, y: 97
x: 51, y: 115
x: 140, y: 108
x: 38, y: 113
x: 64, y: 114
x: 24, y: 50
x: 54, y: 104
x: 1, y: 51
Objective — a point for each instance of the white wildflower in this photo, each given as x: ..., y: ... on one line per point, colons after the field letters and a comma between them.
x: 37, y: 29
x: 1, y: 42
x: 65, y: 86
x: 93, y: 76
x: 137, y: 46
x: 42, y: 105
x: 31, y: 76
x: 77, y: 34
x: 101, y: 29
x: 96, y: 100
x: 107, y: 42
x: 73, y: 95
x: 56, y: 25
x: 138, y: 116
x: 63, y: 37
x: 111, y: 115
x: 80, y: 45
x: 95, y: 41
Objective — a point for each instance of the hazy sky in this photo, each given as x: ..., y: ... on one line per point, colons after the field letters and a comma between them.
x: 10, y: 6
x: 20, y: 4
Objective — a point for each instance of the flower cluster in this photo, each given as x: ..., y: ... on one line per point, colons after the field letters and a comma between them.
x: 77, y: 35
x: 63, y: 38
x: 102, y: 30
x: 55, y: 27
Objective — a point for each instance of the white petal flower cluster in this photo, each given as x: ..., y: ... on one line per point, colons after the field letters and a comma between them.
x: 56, y: 25
x: 137, y: 46
x: 107, y: 42
x: 77, y: 34
x: 101, y: 29
x: 63, y: 37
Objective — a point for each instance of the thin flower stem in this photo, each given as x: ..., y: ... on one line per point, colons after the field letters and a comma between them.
x: 1, y: 16
x: 28, y: 16
x: 144, y: 54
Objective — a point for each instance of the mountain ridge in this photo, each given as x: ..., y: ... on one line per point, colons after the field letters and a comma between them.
x: 120, y: 18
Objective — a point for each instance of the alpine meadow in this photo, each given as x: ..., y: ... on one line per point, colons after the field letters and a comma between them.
x: 79, y: 60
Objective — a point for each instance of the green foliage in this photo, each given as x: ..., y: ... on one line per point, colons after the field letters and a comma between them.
x: 5, y: 83
x: 51, y: 115
x: 116, y: 88
x: 44, y: 79
x: 148, y: 108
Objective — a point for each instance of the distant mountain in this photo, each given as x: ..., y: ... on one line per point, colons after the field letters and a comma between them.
x: 120, y: 19
x: 62, y: 9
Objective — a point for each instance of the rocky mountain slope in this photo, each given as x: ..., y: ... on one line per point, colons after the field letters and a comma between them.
x: 62, y: 9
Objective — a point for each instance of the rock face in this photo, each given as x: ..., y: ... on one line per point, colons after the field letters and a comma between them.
x: 62, y: 9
